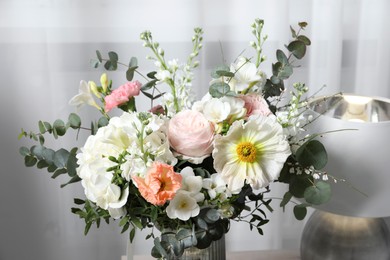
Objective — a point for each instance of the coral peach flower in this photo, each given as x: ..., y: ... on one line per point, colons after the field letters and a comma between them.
x: 160, y: 184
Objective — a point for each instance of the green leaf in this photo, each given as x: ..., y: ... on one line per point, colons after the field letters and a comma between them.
x: 149, y: 85
x: 304, y: 39
x: 286, y: 199
x: 302, y: 24
x: 293, y: 32
x: 214, y: 73
x: 42, y: 164
x: 152, y: 75
x: 160, y: 248
x: 212, y: 215
x: 42, y: 128
x: 219, y: 89
x: 133, y: 62
x: 99, y: 55
x: 94, y: 63
x: 103, y: 121
x: 74, y: 121
x: 312, y: 153
x: 61, y: 158
x: 37, y: 151
x: 78, y: 201
x: 58, y: 172
x: 123, y: 221
x: 113, y: 56
x: 111, y: 65
x: 299, y: 184
x: 281, y: 57
x: 24, y: 151
x: 300, y: 211
x: 132, y: 234
x: 73, y: 180
x: 71, y: 165
x: 137, y: 222
x: 48, y: 126
x: 59, y: 127
x: 129, y: 74
x: 48, y: 155
x: 297, y: 48
x: 318, y: 194
x: 30, y: 161
x: 224, y: 73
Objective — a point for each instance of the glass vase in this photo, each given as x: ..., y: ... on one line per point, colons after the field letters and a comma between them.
x: 216, y: 251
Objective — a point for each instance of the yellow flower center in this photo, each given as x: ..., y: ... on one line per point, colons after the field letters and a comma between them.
x: 246, y: 152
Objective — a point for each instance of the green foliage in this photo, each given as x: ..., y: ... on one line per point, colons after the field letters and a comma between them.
x: 312, y: 153
x: 319, y: 193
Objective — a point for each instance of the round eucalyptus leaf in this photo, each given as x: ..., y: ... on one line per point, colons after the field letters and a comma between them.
x: 318, y: 194
x: 59, y: 127
x: 300, y: 212
x: 74, y: 121
x: 297, y: 48
x: 61, y: 158
x: 312, y: 153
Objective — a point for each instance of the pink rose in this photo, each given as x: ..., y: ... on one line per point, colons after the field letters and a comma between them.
x: 191, y: 134
x: 122, y: 94
x: 255, y: 105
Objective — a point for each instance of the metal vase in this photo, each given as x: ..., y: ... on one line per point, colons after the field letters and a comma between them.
x: 328, y: 236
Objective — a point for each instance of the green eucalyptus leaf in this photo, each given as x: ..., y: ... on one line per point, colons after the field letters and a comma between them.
x: 304, y: 39
x: 302, y: 24
x: 149, y: 85
x: 312, y: 153
x: 212, y: 216
x: 293, y: 32
x: 59, y: 127
x: 133, y: 62
x: 214, y: 73
x: 281, y: 57
x: 41, y: 126
x: 129, y: 74
x: 286, y: 199
x: 152, y: 75
x: 111, y: 65
x: 73, y: 180
x: 103, y: 121
x: 160, y: 248
x: 300, y: 211
x: 99, y: 56
x: 94, y: 63
x: 30, y: 161
x: 113, y: 56
x: 318, y: 194
x: 71, y: 165
x: 297, y: 48
x: 37, y: 151
x: 78, y: 201
x: 183, y: 233
x: 58, y: 172
x: 299, y: 184
x: 74, y: 121
x: 219, y: 89
x: 275, y: 79
x: 42, y: 164
x: 61, y: 158
x: 224, y: 73
x: 48, y: 155
x: 24, y: 151
x: 285, y: 72
x: 48, y: 126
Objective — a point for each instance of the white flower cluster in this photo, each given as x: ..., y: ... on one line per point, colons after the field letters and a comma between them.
x: 293, y: 119
x: 189, y: 197
x: 137, y: 138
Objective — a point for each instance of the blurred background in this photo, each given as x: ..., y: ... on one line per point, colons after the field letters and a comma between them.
x: 45, y: 50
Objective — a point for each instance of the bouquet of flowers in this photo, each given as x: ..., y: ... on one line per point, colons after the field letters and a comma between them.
x: 184, y: 167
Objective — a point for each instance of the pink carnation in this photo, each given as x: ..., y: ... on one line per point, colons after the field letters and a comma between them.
x: 122, y: 94
x: 255, y: 105
x: 160, y: 184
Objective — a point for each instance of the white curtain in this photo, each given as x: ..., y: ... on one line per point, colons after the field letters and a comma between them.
x: 45, y: 48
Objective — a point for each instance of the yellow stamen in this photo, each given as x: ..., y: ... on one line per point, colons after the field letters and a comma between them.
x: 246, y: 152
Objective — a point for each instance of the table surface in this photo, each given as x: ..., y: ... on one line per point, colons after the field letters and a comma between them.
x: 248, y: 255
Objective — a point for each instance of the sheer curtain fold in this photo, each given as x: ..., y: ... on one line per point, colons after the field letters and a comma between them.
x: 46, y: 46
